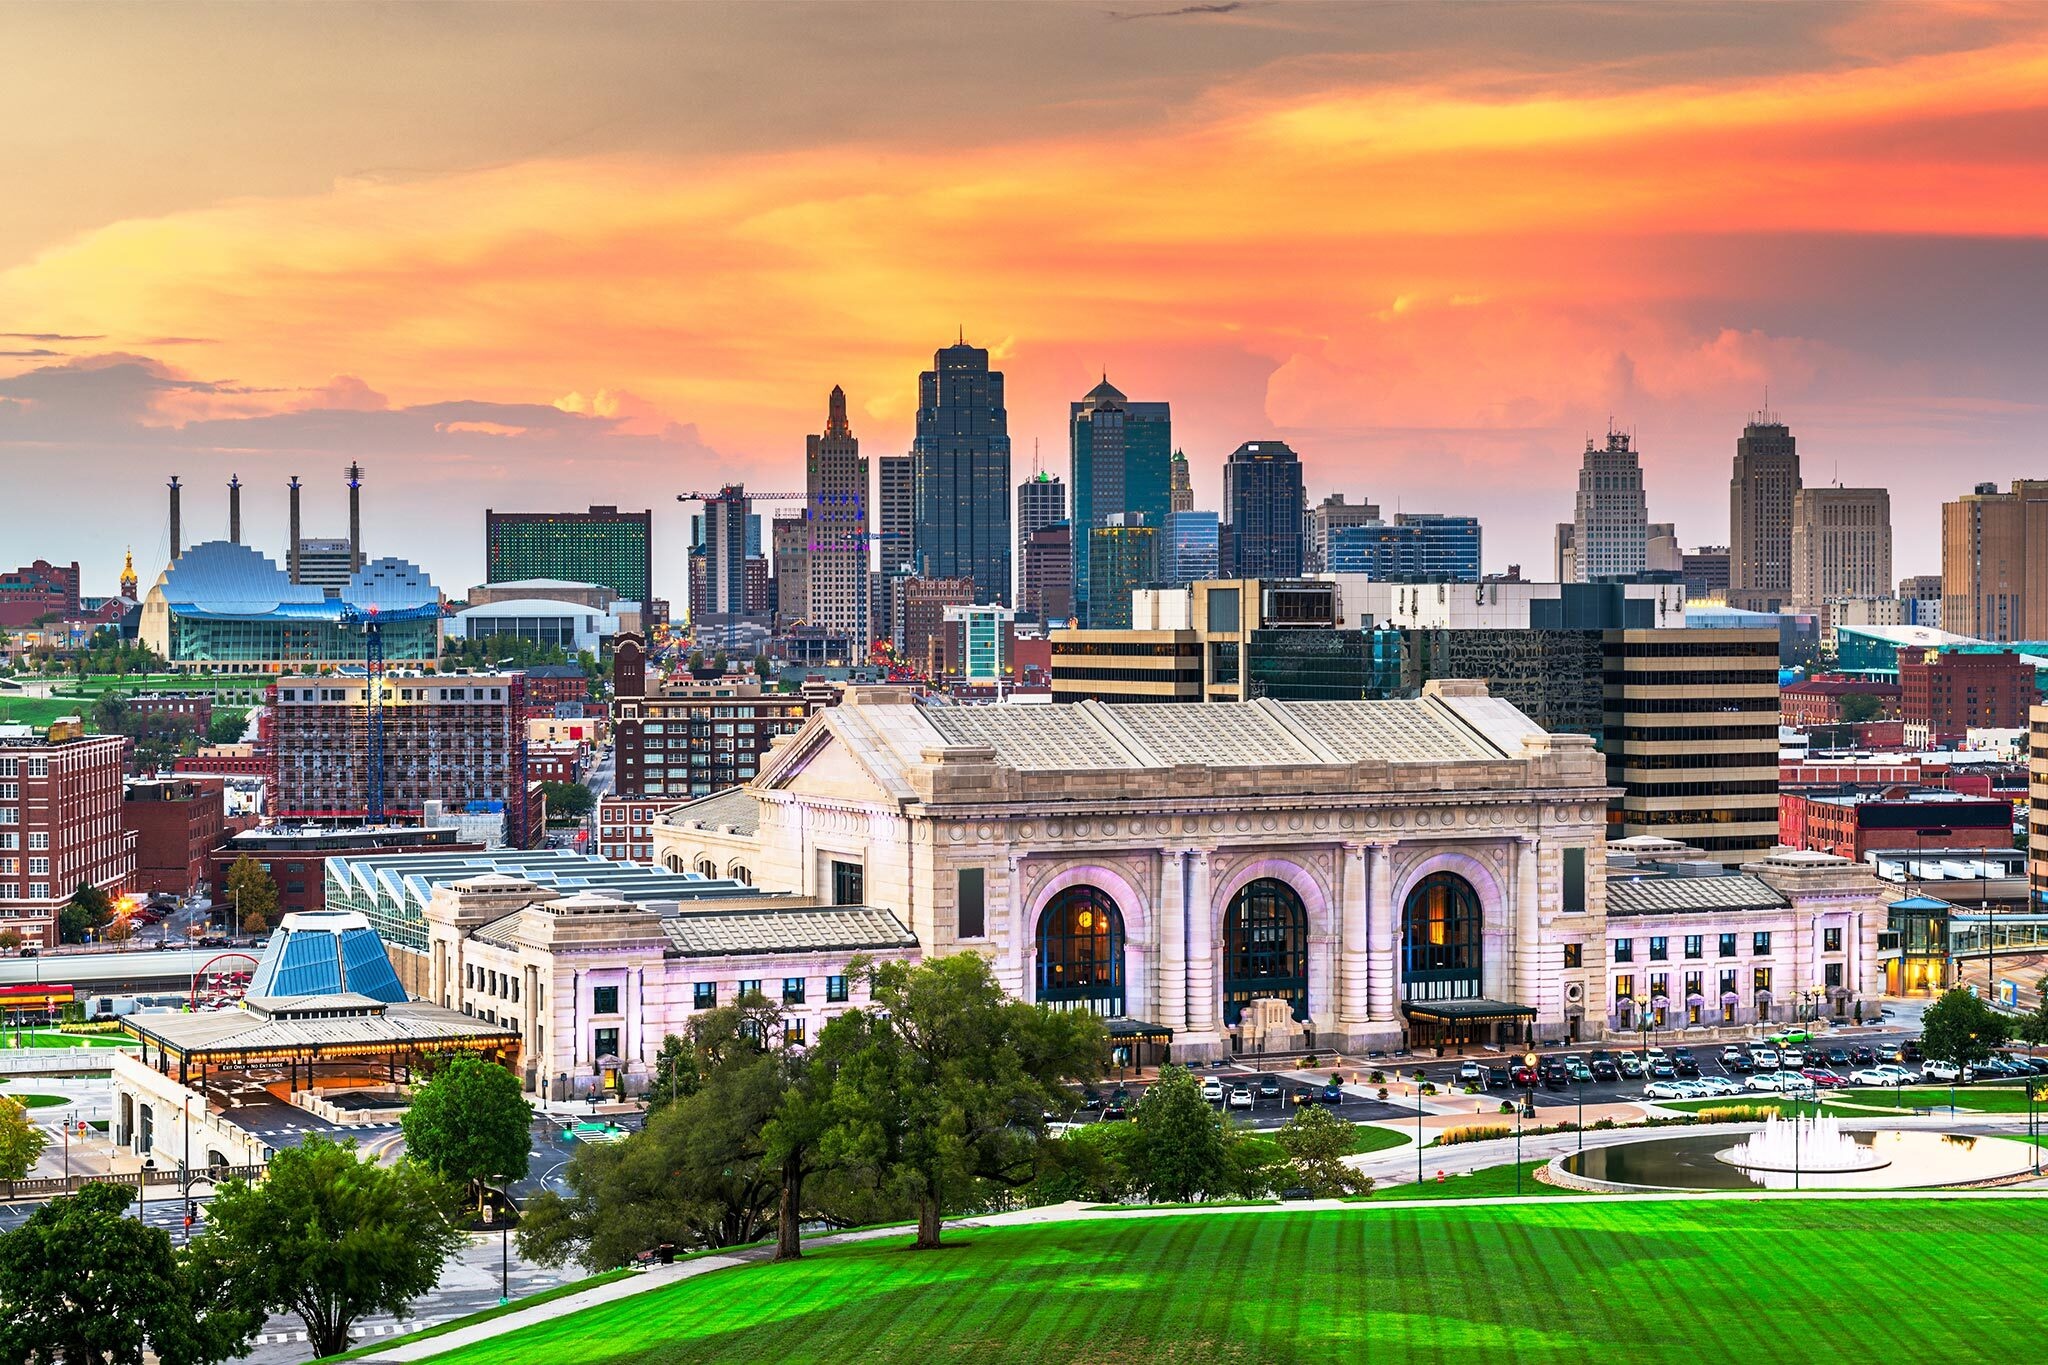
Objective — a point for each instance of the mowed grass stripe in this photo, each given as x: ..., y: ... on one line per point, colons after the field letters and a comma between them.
x: 1541, y: 1284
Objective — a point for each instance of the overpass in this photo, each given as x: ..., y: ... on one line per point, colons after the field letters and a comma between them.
x: 146, y: 971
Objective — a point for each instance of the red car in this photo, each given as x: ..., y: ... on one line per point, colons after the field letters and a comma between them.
x: 1525, y: 1076
x: 1824, y: 1079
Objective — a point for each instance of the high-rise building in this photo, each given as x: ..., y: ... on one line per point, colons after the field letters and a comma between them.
x: 1706, y: 572
x: 60, y: 826
x: 1945, y: 694
x: 1661, y: 553
x: 39, y: 589
x: 1048, y: 573
x: 326, y: 563
x: 729, y: 573
x: 1041, y: 501
x: 603, y: 545
x: 1122, y: 463
x: 1262, y: 511
x: 895, y: 510
x: 921, y: 614
x: 691, y: 739
x: 1611, y: 524
x: 961, y: 473
x: 1180, y: 488
x: 1994, y: 562
x: 1841, y: 544
x: 1326, y: 516
x: 1418, y: 545
x: 1760, y: 496
x: 1123, y: 555
x: 1188, y: 550
x: 835, y: 540
x: 1920, y: 600
x: 790, y: 580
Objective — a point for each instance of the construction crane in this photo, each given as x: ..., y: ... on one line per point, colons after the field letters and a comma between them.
x: 373, y: 702
x: 742, y: 492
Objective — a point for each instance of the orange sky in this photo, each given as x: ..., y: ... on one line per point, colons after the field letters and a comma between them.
x: 527, y: 256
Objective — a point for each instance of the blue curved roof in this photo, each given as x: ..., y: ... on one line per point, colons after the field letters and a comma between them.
x: 390, y: 584
x: 220, y: 580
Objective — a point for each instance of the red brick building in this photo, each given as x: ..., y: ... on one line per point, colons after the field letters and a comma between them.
x: 39, y: 589
x: 184, y: 705
x: 222, y: 760
x: 1818, y: 700
x: 1849, y: 824
x: 549, y: 686
x: 1943, y: 695
x: 178, y: 823
x: 60, y: 827
x: 296, y: 858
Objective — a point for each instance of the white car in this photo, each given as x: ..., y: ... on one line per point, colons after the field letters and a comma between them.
x: 1212, y: 1091
x: 1240, y: 1097
x: 1471, y: 1073
x: 1872, y: 1075
x: 1764, y: 1058
x: 1939, y: 1071
x: 1717, y: 1086
x: 1762, y: 1082
x: 1792, y: 1059
x: 1668, y: 1090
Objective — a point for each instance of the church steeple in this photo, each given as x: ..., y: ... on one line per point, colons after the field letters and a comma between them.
x: 129, y: 582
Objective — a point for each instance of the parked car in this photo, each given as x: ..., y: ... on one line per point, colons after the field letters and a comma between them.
x: 1332, y: 1093
x: 1212, y: 1091
x: 1717, y: 1086
x: 1837, y: 1058
x: 1631, y: 1066
x: 1763, y: 1082
x: 1667, y: 1090
x: 1825, y: 1079
x: 1580, y: 1072
x: 1862, y: 1056
x: 1662, y: 1068
x: 1269, y: 1087
x: 1939, y: 1071
x: 1297, y: 1192
x: 1240, y: 1097
x: 1555, y: 1077
x: 1114, y: 1113
x: 1498, y: 1078
x: 1604, y: 1069
x: 1909, y: 1051
x: 1764, y: 1058
x: 1471, y: 1073
x: 1686, y: 1066
x: 1890, y: 1052
x: 1792, y: 1059
x: 1525, y: 1076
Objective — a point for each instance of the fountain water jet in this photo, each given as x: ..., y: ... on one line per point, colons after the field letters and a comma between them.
x: 1814, y: 1145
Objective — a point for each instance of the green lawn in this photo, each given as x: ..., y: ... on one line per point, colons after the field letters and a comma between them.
x: 1566, y: 1280
x: 384, y: 1344
x: 39, y: 1037
x: 1487, y: 1184
x: 38, y: 1101
x: 1982, y: 1099
x: 1365, y: 1138
x: 40, y: 711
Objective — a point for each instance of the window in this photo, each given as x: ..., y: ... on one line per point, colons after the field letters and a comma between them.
x: 792, y: 1033
x: 604, y: 1043
x: 1574, y: 880
x: 706, y: 995
x: 1660, y: 949
x: 38, y: 867
x: 1574, y: 954
x: 747, y: 988
x: 835, y: 990
x: 1832, y: 975
x: 1760, y: 979
x: 792, y: 990
x: 1624, y: 950
x: 1624, y: 987
x: 973, y: 919
x: 604, y: 999
x: 1831, y: 942
x: 1727, y: 945
x: 9, y: 815
x: 846, y: 883
x: 1760, y: 944
x: 1695, y: 947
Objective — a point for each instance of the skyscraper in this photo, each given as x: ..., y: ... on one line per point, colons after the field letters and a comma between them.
x: 1841, y: 544
x: 895, y: 510
x: 1180, y: 489
x: 1041, y: 501
x: 1994, y: 562
x: 961, y: 473
x: 835, y: 527
x: 1263, y: 504
x: 1125, y: 556
x: 1123, y: 453
x: 1611, y: 525
x: 603, y: 545
x: 1047, y: 589
x: 726, y: 605
x: 1187, y: 551
x: 1325, y: 517
x: 1760, y: 506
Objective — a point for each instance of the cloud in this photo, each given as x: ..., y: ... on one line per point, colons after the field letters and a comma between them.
x: 1228, y: 7
x: 46, y: 336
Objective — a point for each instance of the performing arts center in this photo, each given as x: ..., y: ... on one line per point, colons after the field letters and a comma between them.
x: 1230, y: 876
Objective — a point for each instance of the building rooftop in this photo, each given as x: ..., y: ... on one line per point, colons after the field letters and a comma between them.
x: 408, y: 879
x: 221, y: 580
x: 799, y: 929
x: 735, y: 806
x: 342, y: 1025
x: 1668, y: 895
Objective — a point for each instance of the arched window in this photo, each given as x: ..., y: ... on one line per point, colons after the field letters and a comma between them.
x: 1265, y: 949
x: 674, y: 862
x: 739, y: 873
x: 1081, y: 952
x: 1442, y: 944
x: 707, y: 868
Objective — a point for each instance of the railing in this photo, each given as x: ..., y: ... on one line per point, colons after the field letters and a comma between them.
x: 58, y: 1061
x: 43, y: 1187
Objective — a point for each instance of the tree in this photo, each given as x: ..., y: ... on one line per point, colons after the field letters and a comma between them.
x: 1857, y: 707
x: 253, y: 895
x: 569, y: 801
x: 795, y: 1137
x: 118, y: 931
x: 87, y: 911
x: 10, y: 940
x: 1316, y: 1141
x: 470, y: 1124
x: 947, y: 1081
x: 21, y: 1141
x: 1182, y: 1151
x: 2031, y: 1028
x: 332, y: 1236
x: 675, y: 1073
x: 79, y: 1281
x: 227, y: 726
x: 1961, y: 1029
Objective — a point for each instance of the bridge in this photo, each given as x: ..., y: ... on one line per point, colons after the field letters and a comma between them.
x: 146, y: 971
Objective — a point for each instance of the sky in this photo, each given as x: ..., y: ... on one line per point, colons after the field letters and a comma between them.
x: 541, y: 256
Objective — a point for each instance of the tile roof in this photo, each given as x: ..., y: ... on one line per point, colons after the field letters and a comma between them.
x: 1668, y: 895
x: 251, y: 1030
x: 823, y: 928
x: 735, y: 806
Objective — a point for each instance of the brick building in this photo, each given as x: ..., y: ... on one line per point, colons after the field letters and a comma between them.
x: 691, y: 739
x: 60, y: 826
x: 1818, y: 701
x: 550, y: 686
x: 221, y: 760
x: 36, y: 590
x: 1943, y: 695
x: 1850, y: 824
x: 178, y: 823
x: 190, y: 706
x: 296, y: 858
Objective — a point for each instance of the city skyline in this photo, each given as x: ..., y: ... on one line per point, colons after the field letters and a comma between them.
x: 576, y: 284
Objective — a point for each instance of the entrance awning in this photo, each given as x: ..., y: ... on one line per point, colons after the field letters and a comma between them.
x: 1137, y: 1031
x: 1467, y: 1011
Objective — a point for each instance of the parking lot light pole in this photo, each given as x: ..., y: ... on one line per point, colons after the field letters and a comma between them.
x: 1418, y: 1128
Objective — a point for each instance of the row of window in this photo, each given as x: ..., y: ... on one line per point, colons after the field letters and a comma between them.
x: 795, y: 991
x: 20, y: 767
x: 1759, y: 980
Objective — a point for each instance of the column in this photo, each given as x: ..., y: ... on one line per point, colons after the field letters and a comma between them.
x: 1201, y: 974
x: 1170, y: 928
x: 1381, y: 937
x: 1354, y: 1002
x: 1528, y: 945
x: 1010, y: 967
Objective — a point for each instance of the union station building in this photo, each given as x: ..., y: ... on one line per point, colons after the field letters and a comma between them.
x: 1386, y: 872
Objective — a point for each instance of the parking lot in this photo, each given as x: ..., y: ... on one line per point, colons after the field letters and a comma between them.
x: 1272, y: 1097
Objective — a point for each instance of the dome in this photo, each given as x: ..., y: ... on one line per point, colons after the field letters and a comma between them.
x: 390, y: 584
x: 219, y: 576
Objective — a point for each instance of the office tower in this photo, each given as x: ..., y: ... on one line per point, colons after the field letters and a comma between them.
x: 1424, y: 545
x: 789, y: 587
x: 1448, y: 546
x: 1180, y: 488
x: 835, y: 540
x: 1611, y: 525
x: 1565, y: 553
x: 1920, y: 601
x: 1760, y: 506
x: 721, y: 535
x: 1706, y: 572
x: 921, y: 614
x: 1841, y: 544
x: 895, y: 510
x: 1123, y: 555
x: 1041, y: 501
x: 1048, y: 586
x: 64, y: 803
x: 1994, y: 562
x: 603, y: 545
x: 961, y: 473
x: 1325, y: 517
x: 1660, y: 552
x: 1262, y: 511
x: 324, y: 563
x: 1189, y: 549
x: 1122, y: 457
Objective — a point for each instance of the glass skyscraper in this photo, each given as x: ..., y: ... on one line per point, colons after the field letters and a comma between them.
x: 1189, y: 552
x: 961, y: 474
x: 1263, y: 511
x: 1123, y: 460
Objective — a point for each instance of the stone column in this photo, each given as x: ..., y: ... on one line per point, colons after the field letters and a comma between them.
x: 1170, y: 927
x: 1010, y: 966
x: 1382, y: 938
x: 1202, y: 1012
x: 1353, y: 944
x: 1528, y: 946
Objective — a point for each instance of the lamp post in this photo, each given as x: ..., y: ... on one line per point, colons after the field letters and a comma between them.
x: 1796, y: 1113
x: 1418, y: 1128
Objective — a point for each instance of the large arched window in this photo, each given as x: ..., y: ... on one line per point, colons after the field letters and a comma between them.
x: 1442, y: 944
x: 1081, y: 952
x: 1265, y: 949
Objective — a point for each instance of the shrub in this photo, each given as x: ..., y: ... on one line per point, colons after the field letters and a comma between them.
x: 1736, y: 1113
x: 1478, y: 1132
x: 1377, y: 1077
x: 1383, y: 1089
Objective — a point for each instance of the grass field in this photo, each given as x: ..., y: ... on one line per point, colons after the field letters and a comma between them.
x: 41, y: 1037
x: 1365, y: 1138
x: 1563, y: 1281
x: 1490, y: 1183
x: 40, y: 711
x: 1982, y: 1099
x: 38, y: 1101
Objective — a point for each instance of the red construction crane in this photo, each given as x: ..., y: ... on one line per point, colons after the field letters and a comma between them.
x: 749, y: 496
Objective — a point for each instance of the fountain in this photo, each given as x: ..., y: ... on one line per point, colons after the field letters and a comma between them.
x: 1815, y: 1145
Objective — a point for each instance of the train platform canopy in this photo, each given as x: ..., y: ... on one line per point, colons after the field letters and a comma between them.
x: 317, y: 1028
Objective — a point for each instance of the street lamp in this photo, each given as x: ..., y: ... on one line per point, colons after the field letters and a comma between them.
x: 1418, y: 1128
x: 1643, y: 1026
